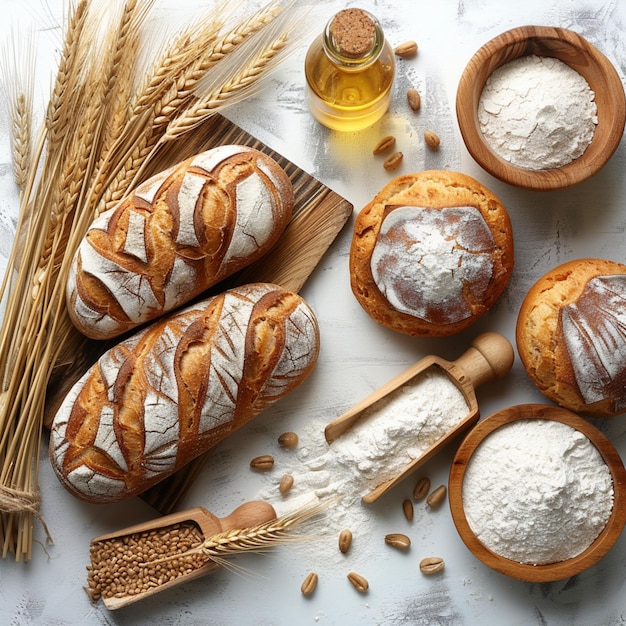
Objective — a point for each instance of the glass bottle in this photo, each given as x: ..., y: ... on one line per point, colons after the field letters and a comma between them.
x: 349, y: 70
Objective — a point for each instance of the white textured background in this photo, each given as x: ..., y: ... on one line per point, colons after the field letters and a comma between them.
x: 357, y: 356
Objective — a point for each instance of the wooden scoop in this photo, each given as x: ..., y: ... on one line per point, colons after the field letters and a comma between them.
x: 248, y: 515
x: 490, y: 356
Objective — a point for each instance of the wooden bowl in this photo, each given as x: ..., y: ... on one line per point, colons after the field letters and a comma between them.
x: 580, y: 55
x: 561, y: 569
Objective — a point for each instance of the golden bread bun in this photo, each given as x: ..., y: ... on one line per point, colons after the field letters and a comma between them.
x: 571, y: 336
x: 431, y: 253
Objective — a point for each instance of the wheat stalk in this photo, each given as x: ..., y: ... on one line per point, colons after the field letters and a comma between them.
x: 35, y: 325
x: 26, y: 338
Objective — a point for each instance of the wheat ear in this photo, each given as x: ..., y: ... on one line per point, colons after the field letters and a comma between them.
x: 69, y: 63
x: 255, y: 538
x: 227, y: 94
x: 124, y: 45
x: 266, y: 535
x: 183, y: 91
x: 17, y: 75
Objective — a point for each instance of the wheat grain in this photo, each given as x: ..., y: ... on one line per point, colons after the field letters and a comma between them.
x: 129, y: 565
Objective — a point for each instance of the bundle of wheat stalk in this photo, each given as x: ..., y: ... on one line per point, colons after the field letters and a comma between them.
x: 110, y: 119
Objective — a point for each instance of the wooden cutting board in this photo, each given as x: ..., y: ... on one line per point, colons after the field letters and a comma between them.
x: 319, y: 216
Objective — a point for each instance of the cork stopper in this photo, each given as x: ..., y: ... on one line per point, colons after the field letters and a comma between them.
x: 353, y: 33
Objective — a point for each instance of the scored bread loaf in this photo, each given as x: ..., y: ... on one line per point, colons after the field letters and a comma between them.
x: 179, y: 233
x: 173, y: 390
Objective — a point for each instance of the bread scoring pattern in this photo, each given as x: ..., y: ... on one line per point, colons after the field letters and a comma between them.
x: 170, y: 392
x: 594, y: 329
x: 176, y: 235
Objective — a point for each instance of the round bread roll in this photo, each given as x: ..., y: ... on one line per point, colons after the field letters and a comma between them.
x: 571, y: 336
x: 431, y: 253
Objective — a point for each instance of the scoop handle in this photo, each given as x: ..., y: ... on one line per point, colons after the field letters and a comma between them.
x: 490, y: 356
x: 248, y: 515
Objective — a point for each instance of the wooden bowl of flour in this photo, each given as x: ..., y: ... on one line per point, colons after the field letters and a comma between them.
x: 537, y: 507
x: 573, y: 50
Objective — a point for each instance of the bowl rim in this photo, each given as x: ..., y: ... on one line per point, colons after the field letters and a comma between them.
x: 524, y: 40
x: 552, y: 571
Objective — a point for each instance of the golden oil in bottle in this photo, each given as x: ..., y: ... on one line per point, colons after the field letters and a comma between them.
x: 349, y: 71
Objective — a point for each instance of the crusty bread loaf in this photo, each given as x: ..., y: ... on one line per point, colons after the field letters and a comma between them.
x: 571, y: 336
x: 176, y: 235
x: 431, y: 253
x: 173, y: 390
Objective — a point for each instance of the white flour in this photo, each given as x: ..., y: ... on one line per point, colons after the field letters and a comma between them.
x: 430, y: 263
x: 396, y: 430
x: 593, y: 327
x: 537, y: 491
x: 537, y: 112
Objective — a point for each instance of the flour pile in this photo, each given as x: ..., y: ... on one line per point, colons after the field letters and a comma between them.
x: 537, y: 112
x: 389, y: 435
x: 537, y: 491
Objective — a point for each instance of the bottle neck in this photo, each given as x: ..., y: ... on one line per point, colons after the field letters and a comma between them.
x: 353, y: 39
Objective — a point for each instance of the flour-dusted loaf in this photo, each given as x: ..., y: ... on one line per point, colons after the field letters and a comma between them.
x: 431, y: 253
x: 571, y: 336
x: 173, y: 390
x: 179, y: 233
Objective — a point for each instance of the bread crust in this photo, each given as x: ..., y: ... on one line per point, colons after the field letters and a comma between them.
x: 179, y: 233
x: 172, y: 391
x: 571, y: 336
x: 431, y: 253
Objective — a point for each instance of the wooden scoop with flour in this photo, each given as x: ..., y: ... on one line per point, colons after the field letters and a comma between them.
x: 490, y: 356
